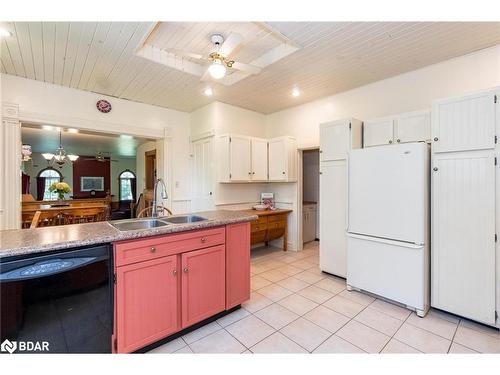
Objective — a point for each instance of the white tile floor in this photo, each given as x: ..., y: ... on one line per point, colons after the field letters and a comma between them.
x: 295, y: 308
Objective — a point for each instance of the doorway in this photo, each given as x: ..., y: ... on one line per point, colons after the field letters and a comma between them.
x: 310, y: 196
x: 150, y: 169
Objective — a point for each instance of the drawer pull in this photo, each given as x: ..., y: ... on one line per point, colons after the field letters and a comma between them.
x: 174, y: 273
x: 185, y: 270
x: 204, y: 239
x: 153, y: 249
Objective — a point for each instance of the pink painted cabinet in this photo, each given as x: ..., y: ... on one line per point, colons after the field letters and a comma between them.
x: 147, y: 302
x: 203, y: 284
x: 237, y: 264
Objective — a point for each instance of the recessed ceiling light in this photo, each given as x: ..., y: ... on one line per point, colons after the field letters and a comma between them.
x: 295, y: 92
x: 51, y: 128
x: 72, y: 130
x: 126, y: 136
x: 4, y: 33
x: 208, y: 91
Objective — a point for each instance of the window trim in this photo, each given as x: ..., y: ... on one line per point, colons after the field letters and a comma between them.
x: 61, y: 178
x: 120, y: 178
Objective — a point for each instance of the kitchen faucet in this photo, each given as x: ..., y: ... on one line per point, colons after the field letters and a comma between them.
x: 164, y: 195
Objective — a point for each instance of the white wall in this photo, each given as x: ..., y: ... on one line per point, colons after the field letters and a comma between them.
x: 45, y: 103
x: 407, y: 92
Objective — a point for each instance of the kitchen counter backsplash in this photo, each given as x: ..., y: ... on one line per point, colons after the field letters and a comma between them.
x: 27, y: 241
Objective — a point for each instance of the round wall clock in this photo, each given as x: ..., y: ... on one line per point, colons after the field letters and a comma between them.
x: 103, y: 106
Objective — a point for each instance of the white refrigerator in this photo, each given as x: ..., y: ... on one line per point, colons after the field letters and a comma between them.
x: 388, y: 223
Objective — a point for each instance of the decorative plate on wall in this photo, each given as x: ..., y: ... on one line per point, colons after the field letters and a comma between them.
x: 103, y: 106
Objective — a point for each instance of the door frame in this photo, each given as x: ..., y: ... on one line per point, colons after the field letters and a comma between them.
x: 10, y: 155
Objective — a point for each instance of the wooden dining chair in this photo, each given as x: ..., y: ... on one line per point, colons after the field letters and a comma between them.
x: 84, y: 215
x: 46, y: 219
x: 147, y: 212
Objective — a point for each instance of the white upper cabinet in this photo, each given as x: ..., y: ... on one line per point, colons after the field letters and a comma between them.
x: 338, y: 137
x: 259, y: 159
x: 283, y: 159
x: 248, y: 159
x: 464, y: 123
x: 378, y: 132
x: 402, y: 128
x: 413, y: 127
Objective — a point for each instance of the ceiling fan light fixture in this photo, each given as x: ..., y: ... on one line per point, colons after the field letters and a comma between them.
x: 4, y: 33
x: 47, y: 156
x: 217, y: 69
x: 73, y: 157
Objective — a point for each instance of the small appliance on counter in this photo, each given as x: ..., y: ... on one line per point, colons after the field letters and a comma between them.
x: 266, y: 202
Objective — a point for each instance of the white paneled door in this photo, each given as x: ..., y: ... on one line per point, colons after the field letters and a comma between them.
x: 413, y: 127
x: 333, y: 197
x: 259, y: 159
x: 277, y: 160
x: 465, y: 123
x: 203, y: 179
x: 334, y: 141
x: 463, y: 253
x: 240, y: 158
x: 378, y: 132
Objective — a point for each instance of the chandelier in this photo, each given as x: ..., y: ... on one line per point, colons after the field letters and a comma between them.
x: 60, y: 157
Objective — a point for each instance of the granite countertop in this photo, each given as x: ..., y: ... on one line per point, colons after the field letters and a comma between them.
x: 27, y: 241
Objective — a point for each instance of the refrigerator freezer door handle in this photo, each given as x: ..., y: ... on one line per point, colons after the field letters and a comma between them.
x: 385, y: 241
x: 347, y: 195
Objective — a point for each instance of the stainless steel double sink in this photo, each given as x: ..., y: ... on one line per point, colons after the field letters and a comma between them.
x: 153, y: 222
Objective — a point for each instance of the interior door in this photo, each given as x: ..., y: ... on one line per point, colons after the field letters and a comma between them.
x: 463, y: 245
x: 203, y: 180
x: 333, y: 197
x: 413, y: 127
x: 239, y: 150
x: 335, y: 139
x: 388, y: 186
x: 465, y: 123
x: 146, y: 302
x: 259, y: 160
x: 277, y: 160
x: 378, y: 132
x: 203, y: 284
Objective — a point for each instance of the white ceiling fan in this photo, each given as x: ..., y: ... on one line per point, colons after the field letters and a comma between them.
x: 100, y: 157
x: 220, y: 57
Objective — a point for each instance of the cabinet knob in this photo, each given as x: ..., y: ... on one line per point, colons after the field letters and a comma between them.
x: 185, y: 270
x: 390, y: 141
x: 174, y: 273
x: 253, y: 172
x: 203, y: 239
x: 249, y: 173
x: 435, y: 169
x: 436, y: 139
x: 398, y: 140
x: 283, y: 172
x: 320, y: 151
x: 153, y: 249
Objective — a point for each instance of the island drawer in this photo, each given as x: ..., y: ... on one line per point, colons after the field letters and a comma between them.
x: 127, y: 252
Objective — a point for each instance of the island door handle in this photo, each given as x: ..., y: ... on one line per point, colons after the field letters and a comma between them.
x: 174, y: 273
x: 204, y: 239
x: 153, y: 249
x: 185, y: 270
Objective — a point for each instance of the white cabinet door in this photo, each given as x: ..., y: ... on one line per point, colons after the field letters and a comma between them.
x: 463, y: 245
x: 465, y: 123
x: 240, y: 158
x: 203, y: 183
x: 334, y: 141
x: 259, y: 160
x: 277, y: 160
x: 413, y: 127
x: 333, y: 198
x: 378, y: 132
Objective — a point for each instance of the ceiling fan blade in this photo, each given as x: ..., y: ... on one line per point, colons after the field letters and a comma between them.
x: 179, y: 52
x: 206, y: 76
x: 247, y: 68
x: 230, y: 44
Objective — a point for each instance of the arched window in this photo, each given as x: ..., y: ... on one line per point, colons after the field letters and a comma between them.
x: 127, y: 185
x: 50, y: 175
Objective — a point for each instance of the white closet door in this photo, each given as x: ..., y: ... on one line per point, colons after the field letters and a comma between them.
x: 413, y: 127
x: 277, y: 160
x: 203, y: 181
x: 333, y: 198
x: 334, y: 141
x: 466, y: 123
x: 259, y: 159
x: 378, y: 132
x: 240, y: 158
x: 463, y: 245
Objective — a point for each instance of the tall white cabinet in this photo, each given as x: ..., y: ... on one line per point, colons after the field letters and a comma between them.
x: 465, y: 267
x: 337, y: 138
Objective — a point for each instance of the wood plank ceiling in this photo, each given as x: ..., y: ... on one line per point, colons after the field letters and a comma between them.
x: 334, y: 57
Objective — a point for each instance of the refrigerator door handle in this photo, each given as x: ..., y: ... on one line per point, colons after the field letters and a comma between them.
x: 347, y: 194
x: 386, y: 241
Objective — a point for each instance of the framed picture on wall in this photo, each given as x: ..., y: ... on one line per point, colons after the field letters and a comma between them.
x: 91, y: 183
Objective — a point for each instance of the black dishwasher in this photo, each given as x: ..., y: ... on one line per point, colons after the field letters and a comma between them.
x: 60, y: 302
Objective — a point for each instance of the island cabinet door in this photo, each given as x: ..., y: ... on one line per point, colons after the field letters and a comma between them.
x: 237, y: 264
x: 147, y: 302
x: 203, y: 284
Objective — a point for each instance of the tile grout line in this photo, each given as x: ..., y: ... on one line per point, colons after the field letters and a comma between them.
x: 453, y: 338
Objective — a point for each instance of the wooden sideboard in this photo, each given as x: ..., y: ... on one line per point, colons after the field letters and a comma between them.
x: 271, y: 225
